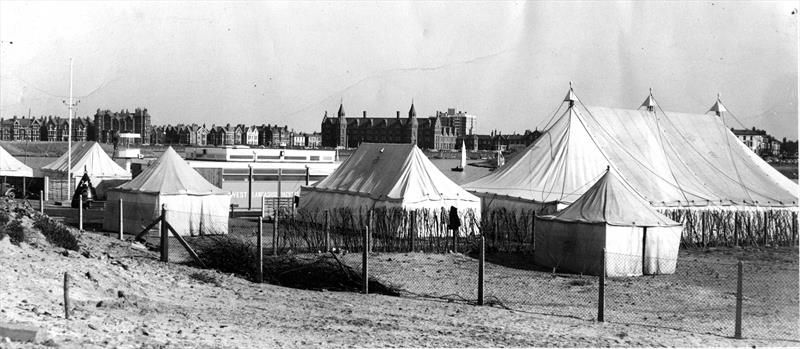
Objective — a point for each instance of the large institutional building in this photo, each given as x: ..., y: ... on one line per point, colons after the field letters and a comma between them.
x: 435, y: 132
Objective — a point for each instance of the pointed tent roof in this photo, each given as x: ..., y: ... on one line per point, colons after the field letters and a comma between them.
x: 677, y: 159
x: 171, y: 175
x: 88, y: 157
x: 611, y: 202
x: 10, y: 166
x: 393, y: 172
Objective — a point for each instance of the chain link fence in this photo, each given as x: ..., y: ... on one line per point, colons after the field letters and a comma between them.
x: 700, y: 296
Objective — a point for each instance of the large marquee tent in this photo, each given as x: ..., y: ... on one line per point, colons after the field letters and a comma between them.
x: 688, y: 166
x: 388, y: 176
x: 608, y: 222
x: 193, y: 205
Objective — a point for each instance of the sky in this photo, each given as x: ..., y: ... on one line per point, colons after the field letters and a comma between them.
x: 509, y: 63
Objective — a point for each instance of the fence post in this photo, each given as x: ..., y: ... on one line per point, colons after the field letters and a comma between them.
x: 250, y: 188
x: 41, y: 201
x: 794, y: 228
x: 364, y: 261
x: 275, y: 235
x: 601, y: 294
x: 413, y: 226
x: 66, y: 295
x: 164, y: 235
x: 481, y: 261
x: 371, y: 227
x: 738, y: 329
x: 80, y: 213
x: 327, y: 231
x: 121, y: 221
x: 46, y: 188
x: 260, y: 245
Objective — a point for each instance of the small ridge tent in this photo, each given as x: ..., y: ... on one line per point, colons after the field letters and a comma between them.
x: 194, y: 206
x: 89, y: 158
x: 381, y: 175
x: 608, y: 218
x: 11, y: 167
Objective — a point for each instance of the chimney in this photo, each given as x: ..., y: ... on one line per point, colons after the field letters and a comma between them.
x: 365, y: 113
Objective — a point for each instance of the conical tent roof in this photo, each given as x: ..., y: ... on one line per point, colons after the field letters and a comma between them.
x: 171, y: 175
x: 669, y: 159
x: 10, y: 166
x: 88, y: 157
x: 609, y: 201
x: 393, y: 172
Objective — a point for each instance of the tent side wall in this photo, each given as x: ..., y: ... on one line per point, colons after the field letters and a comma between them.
x: 623, y: 250
x: 192, y: 215
x: 661, y: 246
x: 139, y: 210
x: 573, y: 247
x: 314, y: 203
x: 578, y: 248
x: 491, y: 202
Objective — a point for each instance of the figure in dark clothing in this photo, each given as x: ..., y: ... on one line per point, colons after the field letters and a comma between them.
x: 454, y: 221
x: 85, y: 192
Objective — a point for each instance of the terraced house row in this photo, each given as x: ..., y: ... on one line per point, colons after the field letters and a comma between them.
x: 264, y: 135
x: 45, y: 128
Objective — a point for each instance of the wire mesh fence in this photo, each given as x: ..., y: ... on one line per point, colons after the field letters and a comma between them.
x: 697, y: 292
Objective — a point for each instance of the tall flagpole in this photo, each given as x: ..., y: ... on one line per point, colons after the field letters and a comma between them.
x: 71, y: 106
x: 69, y: 131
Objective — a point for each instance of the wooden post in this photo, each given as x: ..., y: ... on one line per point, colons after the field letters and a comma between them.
x: 738, y: 328
x: 364, y: 261
x: 24, y: 189
x: 601, y: 294
x: 735, y: 228
x: 794, y: 228
x: 46, y: 188
x: 80, y: 213
x: 308, y: 175
x: 121, y: 221
x: 260, y: 249
x: 41, y: 201
x: 250, y: 188
x: 413, y: 228
x: 164, y: 235
x: 327, y: 231
x: 494, y: 229
x: 66, y: 296
x: 766, y: 228
x: 371, y: 227
x: 275, y: 233
x: 644, y: 249
x: 481, y: 266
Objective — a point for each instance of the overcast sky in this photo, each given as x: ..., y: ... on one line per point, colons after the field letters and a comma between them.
x: 509, y: 63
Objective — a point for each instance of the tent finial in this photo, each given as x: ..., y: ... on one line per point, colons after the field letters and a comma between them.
x: 649, y: 102
x: 570, y: 96
x: 718, y: 108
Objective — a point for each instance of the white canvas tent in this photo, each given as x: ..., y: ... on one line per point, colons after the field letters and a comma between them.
x: 387, y: 176
x: 670, y: 159
x: 609, y: 218
x: 90, y: 158
x: 11, y: 167
x: 194, y: 206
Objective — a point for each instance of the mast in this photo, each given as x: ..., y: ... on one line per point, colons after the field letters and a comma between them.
x: 69, y: 130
